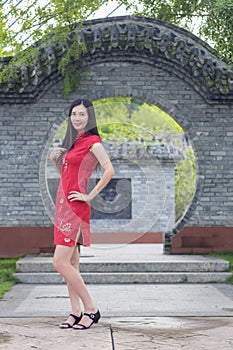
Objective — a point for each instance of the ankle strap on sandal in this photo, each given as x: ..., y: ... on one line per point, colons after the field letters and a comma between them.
x: 94, y: 317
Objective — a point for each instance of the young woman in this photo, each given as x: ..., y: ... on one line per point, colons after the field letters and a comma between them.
x: 75, y: 161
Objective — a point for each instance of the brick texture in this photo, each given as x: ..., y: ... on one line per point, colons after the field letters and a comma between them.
x: 27, y: 130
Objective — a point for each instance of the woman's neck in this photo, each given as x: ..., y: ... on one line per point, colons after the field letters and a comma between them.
x: 81, y: 132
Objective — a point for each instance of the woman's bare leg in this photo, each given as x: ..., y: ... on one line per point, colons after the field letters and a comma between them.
x: 74, y: 297
x: 62, y: 263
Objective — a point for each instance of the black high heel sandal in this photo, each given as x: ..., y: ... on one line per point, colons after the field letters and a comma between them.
x: 66, y: 325
x: 94, y: 317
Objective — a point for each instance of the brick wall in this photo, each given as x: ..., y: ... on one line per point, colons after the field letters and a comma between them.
x: 27, y: 130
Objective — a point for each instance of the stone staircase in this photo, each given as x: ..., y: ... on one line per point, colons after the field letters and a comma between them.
x: 163, y: 269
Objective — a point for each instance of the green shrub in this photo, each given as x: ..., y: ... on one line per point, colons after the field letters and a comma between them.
x: 7, y: 270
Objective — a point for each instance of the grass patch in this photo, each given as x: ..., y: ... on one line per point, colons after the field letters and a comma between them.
x: 7, y: 280
x: 228, y: 256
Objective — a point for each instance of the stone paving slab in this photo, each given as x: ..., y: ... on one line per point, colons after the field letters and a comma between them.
x: 122, y: 300
x: 172, y: 333
x: 44, y: 334
x: 149, y: 333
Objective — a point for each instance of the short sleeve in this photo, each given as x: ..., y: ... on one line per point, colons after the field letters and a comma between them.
x: 100, y: 153
x: 93, y: 139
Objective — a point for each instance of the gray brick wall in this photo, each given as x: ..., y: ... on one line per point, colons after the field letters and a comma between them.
x: 27, y: 130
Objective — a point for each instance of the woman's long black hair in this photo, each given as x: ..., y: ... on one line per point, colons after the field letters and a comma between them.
x: 71, y: 133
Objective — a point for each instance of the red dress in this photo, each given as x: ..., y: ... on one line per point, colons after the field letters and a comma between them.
x: 72, y: 219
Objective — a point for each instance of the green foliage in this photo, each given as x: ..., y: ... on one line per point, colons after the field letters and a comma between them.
x: 43, y: 27
x: 171, y: 11
x: 228, y: 256
x: 11, y: 72
x: 219, y: 27
x: 36, y: 21
x: 7, y: 269
x: 185, y: 182
x: 136, y: 113
x: 69, y: 65
x: 209, y: 19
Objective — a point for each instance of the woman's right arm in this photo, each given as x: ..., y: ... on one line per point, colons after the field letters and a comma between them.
x: 57, y: 152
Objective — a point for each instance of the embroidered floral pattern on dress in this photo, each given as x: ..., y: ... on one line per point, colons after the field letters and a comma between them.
x: 65, y: 227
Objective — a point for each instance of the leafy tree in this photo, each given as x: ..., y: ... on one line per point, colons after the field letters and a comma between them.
x: 36, y: 21
x: 43, y: 26
x: 212, y: 20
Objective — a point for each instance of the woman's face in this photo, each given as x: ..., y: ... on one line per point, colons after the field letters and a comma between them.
x: 79, y: 118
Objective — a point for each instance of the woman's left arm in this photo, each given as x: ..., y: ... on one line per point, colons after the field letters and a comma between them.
x: 98, y: 150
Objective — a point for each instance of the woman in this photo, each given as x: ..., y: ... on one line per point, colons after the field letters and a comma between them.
x: 84, y: 150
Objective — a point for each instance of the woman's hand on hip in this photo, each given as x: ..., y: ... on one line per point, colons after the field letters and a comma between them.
x: 78, y: 196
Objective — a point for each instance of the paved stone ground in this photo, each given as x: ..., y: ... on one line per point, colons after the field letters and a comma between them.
x: 174, y: 333
x: 147, y: 333
x: 161, y: 317
x: 134, y: 317
x: 201, y: 300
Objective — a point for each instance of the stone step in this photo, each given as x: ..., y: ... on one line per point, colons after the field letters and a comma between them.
x: 98, y: 269
x: 127, y: 277
x: 176, y: 264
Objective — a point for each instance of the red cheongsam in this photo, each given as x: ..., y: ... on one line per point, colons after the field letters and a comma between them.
x: 72, y: 219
